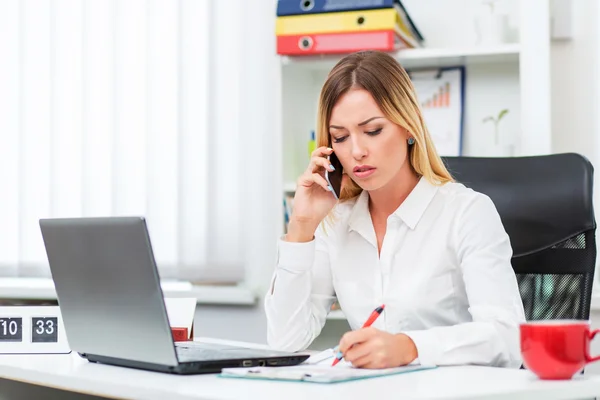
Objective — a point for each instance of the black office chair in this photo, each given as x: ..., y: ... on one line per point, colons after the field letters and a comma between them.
x: 545, y: 203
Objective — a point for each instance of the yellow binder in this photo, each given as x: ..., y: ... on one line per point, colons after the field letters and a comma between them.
x: 347, y: 21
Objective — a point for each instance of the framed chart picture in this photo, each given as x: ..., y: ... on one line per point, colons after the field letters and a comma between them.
x: 441, y: 93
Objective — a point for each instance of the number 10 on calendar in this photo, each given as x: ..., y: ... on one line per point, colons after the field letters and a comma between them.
x: 32, y: 329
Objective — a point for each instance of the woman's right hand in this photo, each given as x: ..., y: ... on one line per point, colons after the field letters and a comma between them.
x: 313, y: 200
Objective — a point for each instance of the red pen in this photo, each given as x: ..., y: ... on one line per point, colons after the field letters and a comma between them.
x: 374, y: 315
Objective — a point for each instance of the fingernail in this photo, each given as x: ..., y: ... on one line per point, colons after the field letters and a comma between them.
x: 330, y: 149
x: 339, y: 355
x: 330, y: 188
x: 332, y: 167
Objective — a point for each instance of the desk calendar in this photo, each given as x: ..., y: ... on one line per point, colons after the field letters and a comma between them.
x: 32, y: 330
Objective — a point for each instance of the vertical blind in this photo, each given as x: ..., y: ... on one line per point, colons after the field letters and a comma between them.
x: 112, y: 107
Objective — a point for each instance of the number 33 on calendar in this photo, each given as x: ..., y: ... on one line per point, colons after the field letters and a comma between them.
x: 32, y: 329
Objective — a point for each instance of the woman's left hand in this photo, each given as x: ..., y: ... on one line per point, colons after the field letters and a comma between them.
x: 373, y: 348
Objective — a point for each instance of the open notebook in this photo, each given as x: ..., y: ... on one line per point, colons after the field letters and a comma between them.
x: 317, y: 369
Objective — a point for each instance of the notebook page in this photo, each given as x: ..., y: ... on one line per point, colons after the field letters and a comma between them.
x: 320, y: 357
x: 326, y: 357
x: 326, y: 373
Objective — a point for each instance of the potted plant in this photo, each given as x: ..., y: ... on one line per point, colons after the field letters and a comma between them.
x: 496, y: 121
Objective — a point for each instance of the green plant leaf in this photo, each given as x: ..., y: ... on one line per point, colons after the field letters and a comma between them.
x: 502, y: 114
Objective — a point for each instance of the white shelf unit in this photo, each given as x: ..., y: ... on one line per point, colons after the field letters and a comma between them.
x: 421, y: 57
x: 514, y: 76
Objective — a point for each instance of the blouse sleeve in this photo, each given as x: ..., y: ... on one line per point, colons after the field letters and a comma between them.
x: 301, y: 294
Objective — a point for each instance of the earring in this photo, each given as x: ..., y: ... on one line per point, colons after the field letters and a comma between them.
x: 411, y: 141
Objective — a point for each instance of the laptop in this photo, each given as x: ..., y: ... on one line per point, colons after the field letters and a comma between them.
x: 112, y: 304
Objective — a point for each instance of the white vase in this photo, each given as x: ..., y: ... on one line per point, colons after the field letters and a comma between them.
x: 491, y: 29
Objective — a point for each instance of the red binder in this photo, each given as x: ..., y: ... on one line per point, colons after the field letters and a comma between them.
x: 332, y: 43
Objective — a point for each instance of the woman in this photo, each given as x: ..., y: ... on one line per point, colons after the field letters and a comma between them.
x: 402, y: 234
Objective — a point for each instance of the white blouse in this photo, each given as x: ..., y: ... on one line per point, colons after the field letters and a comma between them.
x: 444, y: 275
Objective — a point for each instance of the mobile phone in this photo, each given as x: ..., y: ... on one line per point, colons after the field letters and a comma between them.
x: 334, y: 178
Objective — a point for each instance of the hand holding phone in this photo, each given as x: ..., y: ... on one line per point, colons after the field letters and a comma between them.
x: 314, y: 199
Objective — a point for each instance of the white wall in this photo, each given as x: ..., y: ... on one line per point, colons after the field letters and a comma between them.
x: 575, y: 84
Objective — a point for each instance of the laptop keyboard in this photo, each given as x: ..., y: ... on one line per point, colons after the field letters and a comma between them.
x: 195, y: 351
x: 185, y: 354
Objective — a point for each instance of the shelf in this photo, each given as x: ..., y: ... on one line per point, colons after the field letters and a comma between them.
x: 43, y: 289
x: 423, y: 57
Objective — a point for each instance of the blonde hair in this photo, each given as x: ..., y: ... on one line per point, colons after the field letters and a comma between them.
x: 389, y: 84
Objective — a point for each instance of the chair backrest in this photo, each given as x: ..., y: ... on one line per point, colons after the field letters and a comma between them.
x: 545, y: 203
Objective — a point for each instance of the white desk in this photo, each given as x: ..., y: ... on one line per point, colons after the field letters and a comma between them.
x: 72, y: 373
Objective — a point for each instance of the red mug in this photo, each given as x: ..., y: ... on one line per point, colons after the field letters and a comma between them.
x: 556, y: 349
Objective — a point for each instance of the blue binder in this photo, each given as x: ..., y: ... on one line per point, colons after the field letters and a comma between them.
x: 299, y: 7
x: 296, y: 7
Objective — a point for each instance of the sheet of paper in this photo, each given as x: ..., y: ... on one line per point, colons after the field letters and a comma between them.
x: 320, y: 357
x: 326, y: 358
x: 316, y: 372
x: 180, y: 311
